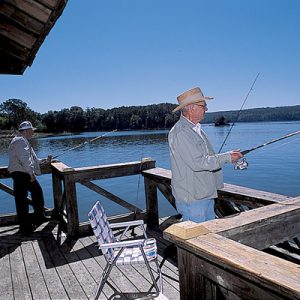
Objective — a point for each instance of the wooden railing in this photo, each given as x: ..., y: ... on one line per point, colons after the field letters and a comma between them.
x: 65, y: 195
x: 229, y: 258
x: 226, y: 259
x: 12, y: 218
x: 65, y: 178
x: 231, y: 199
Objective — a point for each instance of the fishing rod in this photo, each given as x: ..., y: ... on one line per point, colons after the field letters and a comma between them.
x: 83, y: 144
x: 239, y: 112
x: 242, y: 165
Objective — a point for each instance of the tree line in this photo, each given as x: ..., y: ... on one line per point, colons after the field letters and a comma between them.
x: 155, y: 116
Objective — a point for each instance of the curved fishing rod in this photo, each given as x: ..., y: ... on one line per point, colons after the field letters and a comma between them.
x: 84, y: 143
x: 242, y: 165
x: 251, y: 88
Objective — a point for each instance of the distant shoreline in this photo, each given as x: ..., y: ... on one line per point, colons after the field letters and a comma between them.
x: 7, y: 134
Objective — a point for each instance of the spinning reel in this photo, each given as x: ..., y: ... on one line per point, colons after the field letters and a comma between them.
x: 241, y: 165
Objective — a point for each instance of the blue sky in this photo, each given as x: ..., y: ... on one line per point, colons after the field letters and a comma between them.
x: 138, y: 52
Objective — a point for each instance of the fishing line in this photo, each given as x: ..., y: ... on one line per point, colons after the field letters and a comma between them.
x: 138, y: 186
x: 244, y: 152
x: 239, y: 112
x: 83, y: 144
x: 286, y: 143
x: 242, y: 165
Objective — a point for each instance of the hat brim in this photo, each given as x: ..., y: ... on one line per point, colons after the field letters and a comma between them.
x: 190, y: 101
x: 22, y: 129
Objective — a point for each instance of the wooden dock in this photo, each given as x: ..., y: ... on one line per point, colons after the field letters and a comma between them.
x: 39, y: 267
x: 237, y: 257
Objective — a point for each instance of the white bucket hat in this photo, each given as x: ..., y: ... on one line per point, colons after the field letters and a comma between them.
x: 26, y: 125
x: 191, y: 96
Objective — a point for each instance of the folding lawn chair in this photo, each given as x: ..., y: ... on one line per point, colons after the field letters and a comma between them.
x: 117, y: 252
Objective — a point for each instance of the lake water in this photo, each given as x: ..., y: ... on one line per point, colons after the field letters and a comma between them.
x: 273, y: 168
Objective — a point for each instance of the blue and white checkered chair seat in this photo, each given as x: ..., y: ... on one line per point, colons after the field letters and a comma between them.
x: 117, y: 252
x: 133, y: 255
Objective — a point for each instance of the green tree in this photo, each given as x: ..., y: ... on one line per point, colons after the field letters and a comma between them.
x: 15, y: 111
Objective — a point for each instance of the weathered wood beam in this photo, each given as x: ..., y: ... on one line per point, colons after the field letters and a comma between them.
x: 71, y: 205
x: 21, y: 18
x: 245, y: 271
x: 112, y: 170
x: 249, y: 197
x: 8, y: 190
x: 151, y: 203
x: 261, y: 227
x: 283, y: 253
x: 16, y: 34
x: 45, y: 169
x: 85, y: 227
x: 109, y: 195
x: 234, y: 193
x: 33, y: 9
x: 167, y: 192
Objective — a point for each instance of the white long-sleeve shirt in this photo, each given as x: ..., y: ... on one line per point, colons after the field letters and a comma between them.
x: 22, y: 157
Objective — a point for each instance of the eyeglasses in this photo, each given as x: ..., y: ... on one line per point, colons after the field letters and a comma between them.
x: 204, y: 106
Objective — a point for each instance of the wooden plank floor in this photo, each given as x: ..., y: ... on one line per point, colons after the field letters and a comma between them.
x: 39, y: 267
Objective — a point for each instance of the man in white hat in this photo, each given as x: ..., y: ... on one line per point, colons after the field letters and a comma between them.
x: 23, y: 168
x: 196, y: 168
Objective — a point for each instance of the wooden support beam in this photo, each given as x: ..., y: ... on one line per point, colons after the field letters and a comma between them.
x: 71, y: 205
x: 113, y: 170
x: 151, y: 203
x: 109, y: 195
x: 167, y: 192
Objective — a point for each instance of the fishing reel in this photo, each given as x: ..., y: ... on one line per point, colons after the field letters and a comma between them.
x: 241, y: 165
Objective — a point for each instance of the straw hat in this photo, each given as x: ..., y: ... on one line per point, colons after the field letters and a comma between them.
x: 191, y: 96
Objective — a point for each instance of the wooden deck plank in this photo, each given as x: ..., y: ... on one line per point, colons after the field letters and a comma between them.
x: 53, y: 282
x: 34, y: 274
x: 19, y: 276
x: 79, y: 269
x: 6, y: 288
x: 40, y: 268
x: 67, y: 277
x: 92, y: 266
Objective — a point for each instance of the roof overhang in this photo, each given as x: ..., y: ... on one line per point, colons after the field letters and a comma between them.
x: 24, y: 25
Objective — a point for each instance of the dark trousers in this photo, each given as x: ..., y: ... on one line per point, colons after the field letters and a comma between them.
x: 23, y: 185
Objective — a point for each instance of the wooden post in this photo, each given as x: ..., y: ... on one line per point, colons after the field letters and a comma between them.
x: 193, y: 286
x: 57, y: 193
x: 71, y: 205
x: 151, y: 203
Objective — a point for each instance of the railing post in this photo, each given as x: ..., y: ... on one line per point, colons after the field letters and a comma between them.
x: 151, y: 203
x: 57, y: 193
x: 71, y: 205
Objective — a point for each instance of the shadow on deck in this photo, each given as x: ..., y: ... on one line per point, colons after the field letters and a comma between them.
x: 38, y: 267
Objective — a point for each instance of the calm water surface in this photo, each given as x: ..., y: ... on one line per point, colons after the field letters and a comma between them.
x: 274, y: 168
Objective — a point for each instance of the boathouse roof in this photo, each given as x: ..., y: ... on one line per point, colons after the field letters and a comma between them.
x: 24, y: 25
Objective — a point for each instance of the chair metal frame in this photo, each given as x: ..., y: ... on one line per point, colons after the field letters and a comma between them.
x: 113, y: 248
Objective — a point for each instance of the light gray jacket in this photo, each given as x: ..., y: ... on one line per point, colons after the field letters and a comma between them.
x: 196, y: 169
x: 22, y: 157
